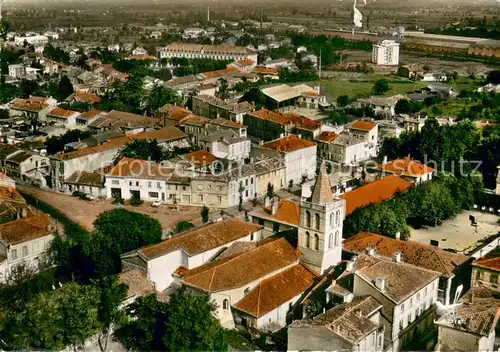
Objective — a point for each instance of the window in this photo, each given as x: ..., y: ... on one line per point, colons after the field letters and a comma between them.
x: 158, y: 185
x: 337, y: 217
x: 337, y: 239
x: 418, y: 297
x: 332, y: 220
x: 402, y: 308
x: 308, y: 240
x: 225, y: 304
x: 200, y: 187
x: 251, y: 236
x: 35, y: 247
x: 246, y: 182
x: 130, y: 183
x: 201, y: 197
x: 153, y: 194
x: 494, y: 279
x: 317, y: 220
x: 478, y: 275
x: 330, y: 240
x: 137, y: 183
x: 149, y: 184
x: 14, y: 253
x: 425, y: 292
x: 251, y: 180
x: 308, y: 218
x: 219, y: 198
x: 115, y: 182
x: 316, y: 242
x: 25, y: 251
x: 276, y: 227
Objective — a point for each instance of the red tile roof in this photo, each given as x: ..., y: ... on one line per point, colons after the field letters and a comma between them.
x: 277, y: 290
x: 289, y: 144
x: 327, y: 136
x: 406, y: 167
x: 375, y: 192
x: 288, y: 212
x: 416, y: 253
x: 87, y: 115
x: 490, y: 260
x: 242, y: 269
x: 83, y: 96
x: 27, y: 229
x: 202, y: 239
x: 266, y: 71
x: 287, y: 119
x: 200, y: 158
x: 363, y: 125
x: 31, y: 104
x: 60, y: 112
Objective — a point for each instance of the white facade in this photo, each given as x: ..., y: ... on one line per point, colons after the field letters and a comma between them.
x: 114, y: 48
x: 196, y: 51
x: 386, y: 53
x: 238, y: 150
x: 299, y: 163
x: 148, y: 189
x: 139, y: 51
x: 31, y: 252
x: 36, y: 40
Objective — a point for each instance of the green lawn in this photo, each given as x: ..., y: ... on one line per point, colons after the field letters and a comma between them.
x: 362, y: 86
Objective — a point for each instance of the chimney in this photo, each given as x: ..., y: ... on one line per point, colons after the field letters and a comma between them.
x: 370, y: 251
x: 398, y: 235
x: 267, y: 202
x: 397, y: 257
x: 274, y: 210
x: 380, y: 283
x: 349, y: 267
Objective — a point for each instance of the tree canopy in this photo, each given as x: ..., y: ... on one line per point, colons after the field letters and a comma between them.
x: 381, y: 86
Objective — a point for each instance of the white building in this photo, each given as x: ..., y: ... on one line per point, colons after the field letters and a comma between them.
x: 299, y: 156
x: 36, y: 40
x: 51, y: 35
x: 344, y: 148
x: 191, y: 249
x: 114, y: 48
x: 386, y: 53
x: 367, y: 130
x: 199, y: 51
x: 63, y: 117
x: 193, y: 33
x: 139, y: 51
x: 25, y: 241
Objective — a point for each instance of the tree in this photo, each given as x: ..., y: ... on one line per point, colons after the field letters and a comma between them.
x: 27, y: 88
x: 403, y: 72
x: 380, y: 87
x: 105, y: 254
x: 204, y: 214
x: 183, y: 226
x: 402, y: 106
x: 142, y: 149
x: 494, y: 77
x: 65, y: 88
x: 140, y: 229
x: 157, y: 325
x: 255, y: 96
x: 343, y: 100
x: 53, y: 319
x: 157, y: 97
x: 270, y: 190
x: 223, y: 89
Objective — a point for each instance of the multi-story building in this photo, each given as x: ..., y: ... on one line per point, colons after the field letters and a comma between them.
x: 408, y: 169
x: 189, y: 250
x: 63, y: 117
x: 344, y: 148
x: 486, y: 270
x: 386, y: 53
x: 407, y: 294
x: 298, y: 154
x: 351, y: 326
x: 33, y: 108
x: 36, y: 40
x: 212, y: 107
x: 368, y: 130
x: 26, y: 241
x: 27, y: 166
x: 454, y: 267
x: 199, y: 51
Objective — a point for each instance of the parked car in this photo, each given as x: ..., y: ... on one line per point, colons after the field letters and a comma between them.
x: 156, y: 203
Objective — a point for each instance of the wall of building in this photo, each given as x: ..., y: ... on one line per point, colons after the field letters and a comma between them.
x: 457, y: 340
x: 485, y: 278
x: 315, y: 338
x: 277, y: 178
x: 300, y: 162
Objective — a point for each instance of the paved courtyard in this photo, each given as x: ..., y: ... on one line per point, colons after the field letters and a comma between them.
x: 458, y: 233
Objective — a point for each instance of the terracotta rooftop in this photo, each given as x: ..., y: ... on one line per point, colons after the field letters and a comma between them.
x: 402, y: 280
x: 375, y: 192
x: 162, y: 135
x: 26, y: 229
x: 288, y: 212
x: 87, y: 115
x: 287, y: 119
x: 60, y: 112
x: 225, y: 123
x: 85, y: 97
x: 240, y: 270
x: 220, y: 72
x: 266, y: 70
x: 351, y: 320
x: 138, y: 168
x: 31, y: 104
x: 363, y: 125
x: 406, y: 167
x: 116, y: 119
x: 11, y: 193
x: 415, y: 253
x: 277, y: 290
x: 327, y: 136
x: 247, y: 62
x: 175, y: 112
x: 478, y: 314
x: 200, y: 158
x: 202, y: 239
x: 490, y: 260
x: 289, y: 144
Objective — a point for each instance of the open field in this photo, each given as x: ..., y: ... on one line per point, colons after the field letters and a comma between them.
x: 85, y: 212
x: 356, y: 85
x: 457, y: 233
